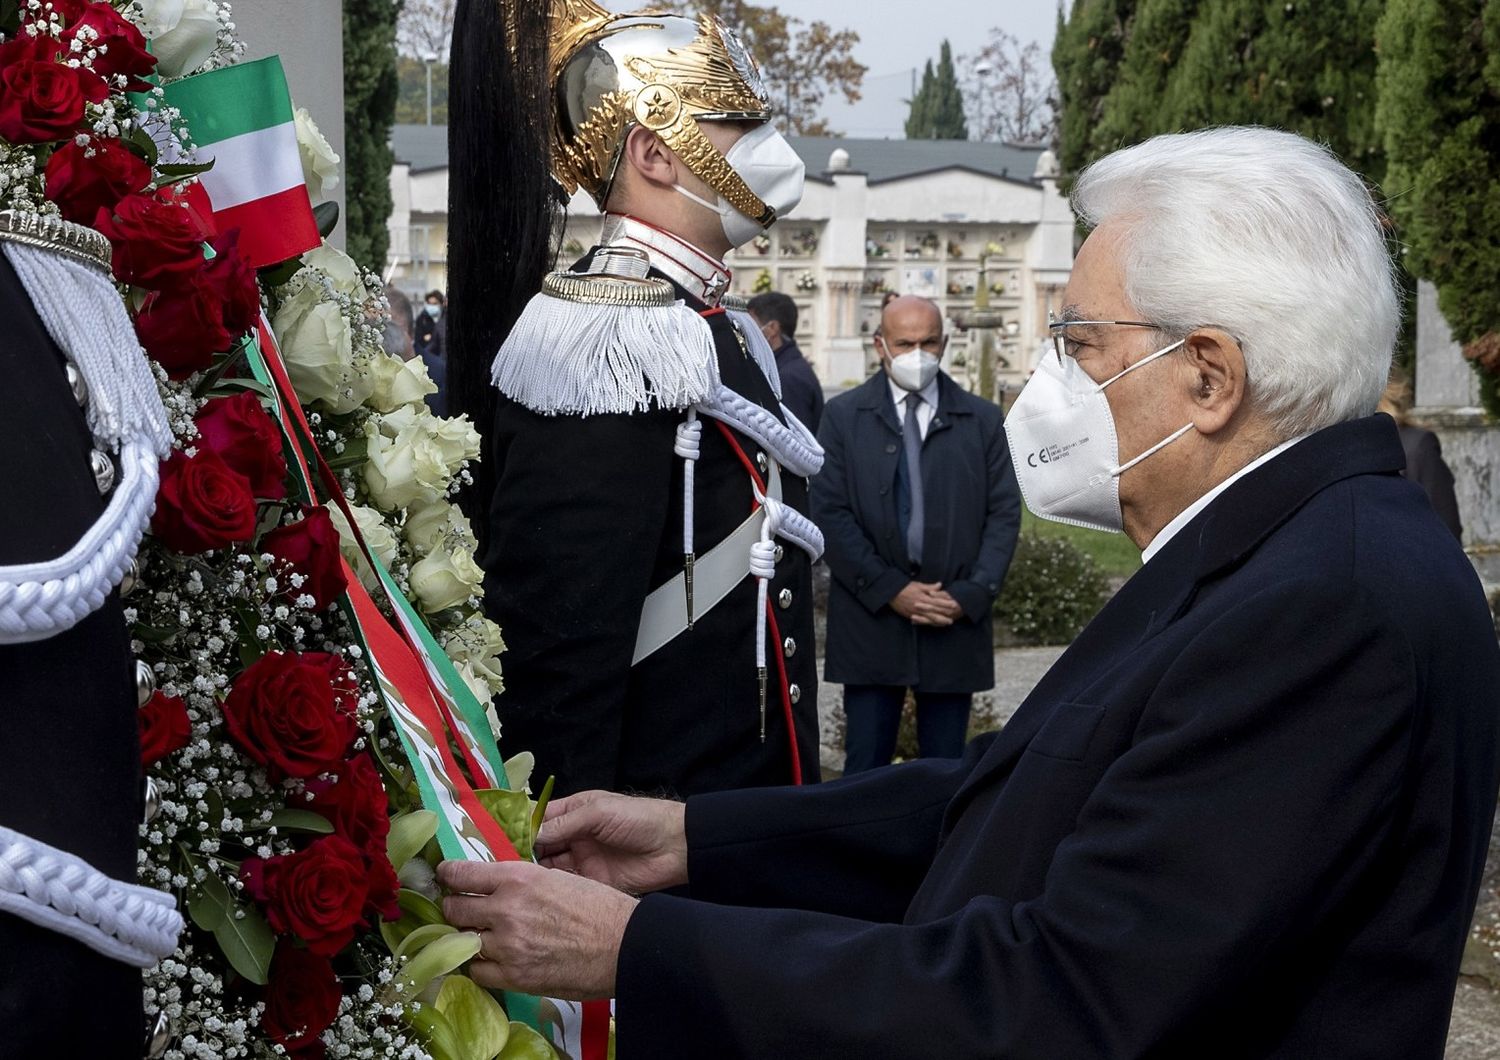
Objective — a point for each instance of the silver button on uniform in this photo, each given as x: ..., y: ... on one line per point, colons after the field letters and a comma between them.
x: 78, y: 385
x: 780, y: 553
x: 145, y: 683
x: 104, y: 470
x: 761, y: 462
x: 789, y: 647
x: 795, y: 692
x: 784, y: 598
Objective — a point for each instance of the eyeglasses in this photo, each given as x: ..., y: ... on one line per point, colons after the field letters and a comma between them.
x: 1059, y: 331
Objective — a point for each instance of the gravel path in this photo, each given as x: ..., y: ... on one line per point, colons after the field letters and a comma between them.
x: 1474, y: 1033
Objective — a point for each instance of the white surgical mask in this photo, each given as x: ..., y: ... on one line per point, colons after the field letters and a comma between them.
x: 432, y: 309
x: 914, y: 370
x: 1064, y: 446
x: 770, y: 168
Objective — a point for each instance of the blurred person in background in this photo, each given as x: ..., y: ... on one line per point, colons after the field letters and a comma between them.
x: 431, y: 343
x: 801, y: 392
x: 1424, y: 453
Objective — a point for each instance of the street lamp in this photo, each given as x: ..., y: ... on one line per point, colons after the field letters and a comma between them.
x: 982, y: 70
x: 428, y: 60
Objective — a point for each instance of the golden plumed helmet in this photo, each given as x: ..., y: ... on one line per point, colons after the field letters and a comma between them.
x: 610, y: 72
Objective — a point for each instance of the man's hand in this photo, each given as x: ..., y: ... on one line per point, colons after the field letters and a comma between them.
x: 541, y: 931
x: 635, y: 845
x: 925, y: 604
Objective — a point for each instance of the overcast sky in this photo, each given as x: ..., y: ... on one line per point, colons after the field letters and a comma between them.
x: 899, y: 35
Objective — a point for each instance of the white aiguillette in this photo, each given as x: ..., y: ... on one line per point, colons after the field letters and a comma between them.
x: 611, y: 339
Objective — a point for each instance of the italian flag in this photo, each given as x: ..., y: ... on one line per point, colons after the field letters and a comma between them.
x: 240, y: 117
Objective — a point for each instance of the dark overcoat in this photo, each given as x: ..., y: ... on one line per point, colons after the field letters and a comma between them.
x: 1245, y: 815
x: 586, y: 522
x: 973, y: 513
x: 67, y: 714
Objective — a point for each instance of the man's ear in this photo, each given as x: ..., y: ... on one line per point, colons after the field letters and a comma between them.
x: 647, y: 155
x: 1217, y: 382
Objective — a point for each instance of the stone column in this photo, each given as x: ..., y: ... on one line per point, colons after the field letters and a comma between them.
x: 1447, y: 403
x: 309, y: 37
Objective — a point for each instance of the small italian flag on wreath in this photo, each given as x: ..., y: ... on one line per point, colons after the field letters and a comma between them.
x: 241, y: 120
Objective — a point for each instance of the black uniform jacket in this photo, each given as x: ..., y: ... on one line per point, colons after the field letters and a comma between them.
x: 67, y: 713
x: 586, y: 522
x: 972, y: 507
x: 1245, y: 815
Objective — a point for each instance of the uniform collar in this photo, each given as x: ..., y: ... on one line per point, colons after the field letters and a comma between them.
x: 704, y: 277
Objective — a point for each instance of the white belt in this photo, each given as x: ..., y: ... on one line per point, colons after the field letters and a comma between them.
x: 664, y: 615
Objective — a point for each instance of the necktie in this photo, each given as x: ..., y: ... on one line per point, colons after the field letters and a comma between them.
x: 912, y: 437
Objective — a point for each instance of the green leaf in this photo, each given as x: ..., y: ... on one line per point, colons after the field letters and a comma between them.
x: 417, y: 911
x: 526, y: 1044
x: 437, y: 1032
x: 436, y: 958
x: 141, y: 140
x: 280, y: 273
x: 247, y: 942
x: 518, y: 770
x: 211, y: 903
x: 512, y: 810
x: 422, y: 936
x: 541, y: 807
x: 356, y: 452
x: 409, y: 834
x: 173, y: 172
x: 290, y: 820
x: 230, y: 387
x: 326, y: 214
x: 476, y: 1016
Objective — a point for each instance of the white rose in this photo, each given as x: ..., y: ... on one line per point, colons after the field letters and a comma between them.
x: 399, y: 383
x: 377, y: 534
x: 182, y: 33
x: 457, y: 438
x: 403, y: 470
x: 445, y: 579
x: 340, y: 268
x: 320, y: 166
x: 319, y: 349
x: 403, y: 418
x: 430, y: 526
x: 478, y: 643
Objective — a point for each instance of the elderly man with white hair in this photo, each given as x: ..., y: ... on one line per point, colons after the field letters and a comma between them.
x: 1245, y: 814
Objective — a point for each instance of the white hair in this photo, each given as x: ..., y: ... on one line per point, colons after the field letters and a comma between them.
x: 1270, y: 237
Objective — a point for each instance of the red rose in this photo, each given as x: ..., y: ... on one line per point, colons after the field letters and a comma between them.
x: 202, y: 504
x: 158, y: 240
x: 165, y: 728
x: 122, y: 49
x: 355, y: 802
x: 43, y: 101
x: 84, y: 180
x: 234, y: 283
x: 247, y: 439
x: 182, y: 329
x: 311, y: 549
x: 302, y: 999
x: 294, y: 714
x: 381, y: 902
x: 316, y: 895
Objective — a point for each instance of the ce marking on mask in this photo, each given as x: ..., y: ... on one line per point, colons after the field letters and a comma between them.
x: 1052, y: 454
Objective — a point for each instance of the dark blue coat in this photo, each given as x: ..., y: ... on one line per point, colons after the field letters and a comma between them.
x: 800, y: 390
x: 973, y: 513
x: 1244, y: 815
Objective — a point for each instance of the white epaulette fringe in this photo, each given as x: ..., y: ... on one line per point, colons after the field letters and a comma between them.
x: 583, y: 359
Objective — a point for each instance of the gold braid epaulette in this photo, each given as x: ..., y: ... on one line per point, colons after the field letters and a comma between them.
x: 589, y: 289
x: 55, y: 234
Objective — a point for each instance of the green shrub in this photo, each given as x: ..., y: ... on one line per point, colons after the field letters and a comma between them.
x: 1052, y: 590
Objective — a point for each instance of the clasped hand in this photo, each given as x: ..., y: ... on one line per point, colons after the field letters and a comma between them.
x: 554, y: 928
x: 927, y: 604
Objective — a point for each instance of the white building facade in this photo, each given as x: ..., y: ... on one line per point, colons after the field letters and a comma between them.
x: 949, y: 220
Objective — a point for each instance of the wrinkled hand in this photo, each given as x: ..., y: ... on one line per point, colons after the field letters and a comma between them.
x: 926, y: 604
x: 541, y: 932
x: 635, y: 845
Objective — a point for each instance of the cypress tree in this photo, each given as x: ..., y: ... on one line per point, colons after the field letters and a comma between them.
x: 948, y: 122
x: 371, y: 89
x: 1086, y: 55
x: 1439, y: 115
x: 919, y: 119
x: 937, y: 111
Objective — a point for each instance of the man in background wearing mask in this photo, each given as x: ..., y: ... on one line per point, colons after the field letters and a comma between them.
x: 649, y: 554
x: 776, y: 315
x: 1246, y: 812
x: 921, y: 510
